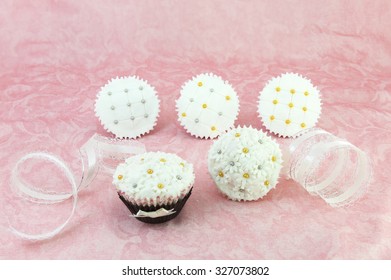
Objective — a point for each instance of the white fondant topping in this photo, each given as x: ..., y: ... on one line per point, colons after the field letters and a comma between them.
x: 154, y: 175
x: 245, y: 163
x: 208, y: 106
x: 289, y: 104
x: 128, y: 107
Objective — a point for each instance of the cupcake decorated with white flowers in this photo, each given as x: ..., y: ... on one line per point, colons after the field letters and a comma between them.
x: 245, y: 163
x: 154, y: 186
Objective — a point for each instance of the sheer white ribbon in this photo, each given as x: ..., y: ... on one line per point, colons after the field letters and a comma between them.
x: 303, y: 156
x: 343, y: 179
x: 93, y: 154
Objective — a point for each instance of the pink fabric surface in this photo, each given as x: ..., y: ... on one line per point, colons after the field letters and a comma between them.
x: 55, y: 55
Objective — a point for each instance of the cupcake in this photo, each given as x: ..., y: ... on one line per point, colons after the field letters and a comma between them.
x: 128, y: 107
x: 208, y: 106
x: 245, y: 163
x: 154, y: 185
x: 289, y: 104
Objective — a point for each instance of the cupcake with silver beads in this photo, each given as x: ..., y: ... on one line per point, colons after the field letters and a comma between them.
x: 154, y: 186
x: 128, y: 107
x: 208, y: 106
x: 245, y: 163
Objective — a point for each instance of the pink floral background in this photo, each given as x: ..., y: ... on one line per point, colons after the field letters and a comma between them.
x: 55, y: 55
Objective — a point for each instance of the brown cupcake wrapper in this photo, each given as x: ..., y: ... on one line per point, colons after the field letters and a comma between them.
x: 177, y: 207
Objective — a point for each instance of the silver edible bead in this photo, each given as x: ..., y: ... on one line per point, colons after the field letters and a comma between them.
x: 129, y: 104
x: 196, y: 120
x: 259, y: 167
x: 260, y: 141
x: 132, y: 118
x: 220, y: 113
x: 141, y: 88
x: 115, y: 122
x: 134, y: 186
x: 211, y: 90
x: 179, y: 177
x: 112, y: 107
x: 219, y: 152
x: 231, y: 163
x: 126, y: 90
x: 191, y: 99
x: 143, y: 101
x: 146, y: 116
x: 109, y: 93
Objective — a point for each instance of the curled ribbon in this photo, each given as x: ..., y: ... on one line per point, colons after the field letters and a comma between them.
x: 93, y: 155
x: 338, y: 187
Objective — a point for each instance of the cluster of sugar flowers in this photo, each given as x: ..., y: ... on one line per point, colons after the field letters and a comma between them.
x: 245, y: 163
x: 154, y: 175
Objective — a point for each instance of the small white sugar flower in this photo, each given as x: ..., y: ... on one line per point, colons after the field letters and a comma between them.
x: 232, y: 167
x: 217, y: 154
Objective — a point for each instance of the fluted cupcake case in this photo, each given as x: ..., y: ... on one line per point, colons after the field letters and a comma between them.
x: 154, y: 186
x: 176, y: 209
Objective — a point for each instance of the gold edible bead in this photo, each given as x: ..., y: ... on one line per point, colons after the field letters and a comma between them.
x: 266, y: 183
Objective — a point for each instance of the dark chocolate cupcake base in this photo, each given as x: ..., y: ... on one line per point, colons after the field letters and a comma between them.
x: 177, y: 207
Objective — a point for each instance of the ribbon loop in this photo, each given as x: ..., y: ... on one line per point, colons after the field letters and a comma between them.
x: 98, y: 152
x: 328, y: 167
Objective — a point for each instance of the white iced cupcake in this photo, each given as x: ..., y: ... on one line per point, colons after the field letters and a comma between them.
x: 155, y: 185
x: 289, y: 104
x: 128, y: 107
x: 208, y: 106
x: 245, y: 163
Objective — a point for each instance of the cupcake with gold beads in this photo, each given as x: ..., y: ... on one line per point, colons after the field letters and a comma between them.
x: 245, y: 163
x: 154, y: 186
